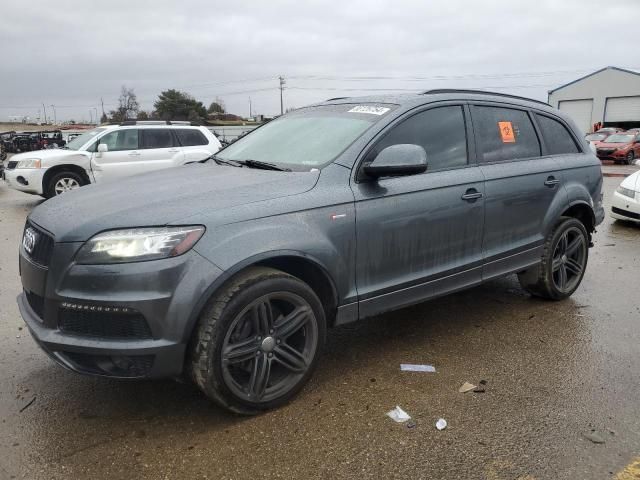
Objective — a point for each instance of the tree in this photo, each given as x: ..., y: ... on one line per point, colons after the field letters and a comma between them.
x: 217, y: 106
x: 104, y: 118
x: 142, y: 115
x: 128, y: 105
x: 176, y: 105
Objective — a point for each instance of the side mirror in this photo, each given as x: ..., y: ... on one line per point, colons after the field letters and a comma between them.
x: 398, y: 160
x: 103, y: 148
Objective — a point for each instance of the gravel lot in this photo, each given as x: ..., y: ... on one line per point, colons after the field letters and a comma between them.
x: 554, y: 373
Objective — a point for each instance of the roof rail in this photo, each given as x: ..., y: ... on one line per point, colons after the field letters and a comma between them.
x: 159, y: 122
x: 482, y: 92
x: 335, y: 98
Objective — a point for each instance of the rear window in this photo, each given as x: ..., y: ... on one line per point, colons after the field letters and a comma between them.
x: 504, y: 134
x: 190, y: 137
x: 557, y: 138
x: 157, y: 138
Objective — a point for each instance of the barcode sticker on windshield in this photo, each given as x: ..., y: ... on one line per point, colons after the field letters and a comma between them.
x: 369, y: 109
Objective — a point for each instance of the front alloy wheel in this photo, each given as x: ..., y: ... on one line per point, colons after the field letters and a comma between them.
x: 66, y: 184
x: 258, y: 341
x: 269, y: 346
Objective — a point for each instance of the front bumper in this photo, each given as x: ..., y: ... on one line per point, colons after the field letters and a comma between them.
x: 164, y: 293
x: 625, y: 208
x: 617, y: 155
x: 28, y: 180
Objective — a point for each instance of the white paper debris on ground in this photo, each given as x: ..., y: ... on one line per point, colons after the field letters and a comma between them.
x: 466, y: 387
x: 441, y: 424
x: 410, y: 367
x: 398, y: 415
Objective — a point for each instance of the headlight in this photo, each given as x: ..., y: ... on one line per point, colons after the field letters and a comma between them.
x: 627, y: 192
x: 29, y: 163
x: 139, y: 244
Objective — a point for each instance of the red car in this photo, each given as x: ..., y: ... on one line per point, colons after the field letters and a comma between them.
x: 619, y: 147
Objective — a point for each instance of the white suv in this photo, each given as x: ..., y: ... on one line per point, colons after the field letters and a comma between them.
x: 108, y: 153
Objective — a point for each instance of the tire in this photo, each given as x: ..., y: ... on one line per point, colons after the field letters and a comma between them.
x: 244, y: 354
x: 56, y: 184
x: 630, y: 158
x: 563, y: 263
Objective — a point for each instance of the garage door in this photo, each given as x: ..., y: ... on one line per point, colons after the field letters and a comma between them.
x: 622, y: 109
x: 579, y: 111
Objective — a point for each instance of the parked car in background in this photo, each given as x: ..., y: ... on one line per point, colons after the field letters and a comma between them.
x: 633, y: 130
x: 625, y: 203
x: 24, y: 142
x: 620, y: 147
x: 232, y: 273
x: 51, y: 139
x: 110, y: 153
x: 610, y: 130
x: 594, y: 139
x: 71, y: 136
x: 6, y: 139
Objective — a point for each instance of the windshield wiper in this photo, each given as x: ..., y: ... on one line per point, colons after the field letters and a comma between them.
x: 222, y: 161
x: 263, y: 165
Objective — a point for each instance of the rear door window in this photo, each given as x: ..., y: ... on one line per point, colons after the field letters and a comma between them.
x: 190, y: 137
x: 440, y: 131
x: 157, y: 138
x: 557, y: 138
x: 504, y: 134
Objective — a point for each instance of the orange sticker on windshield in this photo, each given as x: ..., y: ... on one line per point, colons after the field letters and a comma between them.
x: 506, y: 132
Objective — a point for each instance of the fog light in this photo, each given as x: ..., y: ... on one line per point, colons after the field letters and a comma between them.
x: 22, y: 180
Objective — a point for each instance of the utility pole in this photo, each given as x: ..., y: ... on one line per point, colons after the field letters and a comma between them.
x: 250, y: 115
x: 45, y: 113
x: 90, y: 116
x: 282, y: 82
x: 96, y: 110
x: 102, y: 102
x: 55, y: 119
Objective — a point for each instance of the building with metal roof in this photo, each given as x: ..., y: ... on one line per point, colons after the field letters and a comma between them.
x: 609, y: 96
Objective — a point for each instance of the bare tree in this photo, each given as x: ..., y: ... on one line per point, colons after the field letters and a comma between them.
x: 128, y: 106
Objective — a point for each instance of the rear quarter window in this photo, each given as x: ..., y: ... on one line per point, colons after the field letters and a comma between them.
x: 190, y: 137
x: 557, y: 138
x: 504, y: 134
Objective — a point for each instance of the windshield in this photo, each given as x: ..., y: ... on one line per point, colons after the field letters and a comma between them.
x: 307, y: 138
x: 617, y: 138
x: 78, y: 142
x: 596, y: 136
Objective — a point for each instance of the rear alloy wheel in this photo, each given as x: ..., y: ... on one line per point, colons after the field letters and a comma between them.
x: 63, y: 182
x: 258, y: 342
x: 564, y: 262
x: 630, y: 157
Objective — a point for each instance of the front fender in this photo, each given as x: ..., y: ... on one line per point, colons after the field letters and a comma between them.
x: 311, y: 234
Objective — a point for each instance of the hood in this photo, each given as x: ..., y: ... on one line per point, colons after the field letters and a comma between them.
x: 613, y: 145
x: 159, y: 198
x: 632, y: 182
x: 50, y: 153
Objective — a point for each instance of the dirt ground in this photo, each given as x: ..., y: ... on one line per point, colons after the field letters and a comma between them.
x: 555, y: 374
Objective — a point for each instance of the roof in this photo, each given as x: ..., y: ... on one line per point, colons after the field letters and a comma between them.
x: 592, y: 74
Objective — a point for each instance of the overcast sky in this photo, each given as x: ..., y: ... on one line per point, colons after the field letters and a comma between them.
x: 72, y: 53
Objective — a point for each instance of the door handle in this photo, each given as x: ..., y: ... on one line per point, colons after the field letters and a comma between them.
x: 173, y: 150
x: 551, y: 181
x: 134, y: 154
x: 471, y: 195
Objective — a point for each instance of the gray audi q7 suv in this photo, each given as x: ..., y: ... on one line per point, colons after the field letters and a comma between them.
x: 232, y: 270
